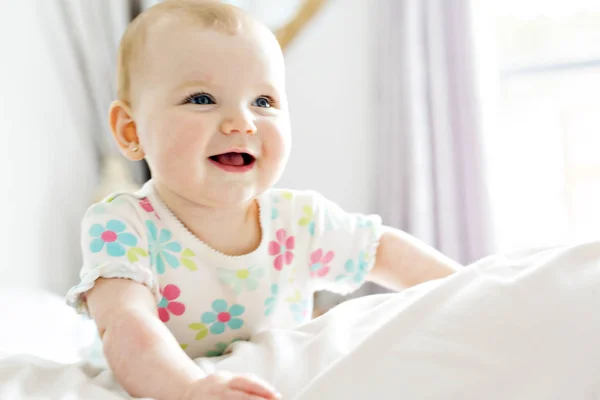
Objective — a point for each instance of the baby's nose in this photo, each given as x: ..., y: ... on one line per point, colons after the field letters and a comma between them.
x: 241, y: 125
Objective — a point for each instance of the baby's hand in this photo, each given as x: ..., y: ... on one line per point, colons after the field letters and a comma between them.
x: 225, y: 386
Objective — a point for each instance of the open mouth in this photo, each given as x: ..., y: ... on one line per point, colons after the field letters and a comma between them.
x: 234, y: 161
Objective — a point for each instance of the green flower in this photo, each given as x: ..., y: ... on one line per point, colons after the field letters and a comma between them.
x: 308, y: 219
x: 247, y: 278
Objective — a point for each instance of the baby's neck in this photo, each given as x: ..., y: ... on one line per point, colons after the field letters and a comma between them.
x: 232, y: 230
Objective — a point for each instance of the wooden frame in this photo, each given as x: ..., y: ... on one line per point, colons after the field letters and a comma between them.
x: 305, y: 14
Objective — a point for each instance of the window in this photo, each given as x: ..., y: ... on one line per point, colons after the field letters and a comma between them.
x: 544, y: 151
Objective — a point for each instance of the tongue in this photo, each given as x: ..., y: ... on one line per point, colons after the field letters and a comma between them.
x: 234, y: 159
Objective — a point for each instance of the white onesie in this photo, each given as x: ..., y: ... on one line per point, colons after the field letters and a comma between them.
x: 208, y: 299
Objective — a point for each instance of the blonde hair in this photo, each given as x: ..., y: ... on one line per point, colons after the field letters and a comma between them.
x: 209, y: 13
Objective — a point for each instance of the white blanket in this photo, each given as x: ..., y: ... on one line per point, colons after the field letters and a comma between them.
x: 525, y: 326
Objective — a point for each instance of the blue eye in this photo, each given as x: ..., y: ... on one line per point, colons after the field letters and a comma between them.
x: 201, y: 99
x: 263, y: 102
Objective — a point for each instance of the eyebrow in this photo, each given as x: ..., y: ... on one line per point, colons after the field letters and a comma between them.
x: 263, y: 86
x: 194, y: 83
x: 268, y: 87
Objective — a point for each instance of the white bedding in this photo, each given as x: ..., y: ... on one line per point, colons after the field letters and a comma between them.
x: 36, y: 322
x: 525, y: 326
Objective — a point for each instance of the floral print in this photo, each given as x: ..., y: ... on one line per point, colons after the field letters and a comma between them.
x: 292, y: 277
x: 98, y: 209
x: 186, y: 260
x: 246, y: 278
x: 300, y: 311
x: 282, y: 248
x: 223, y: 316
x: 167, y: 305
x: 147, y: 206
x: 200, y: 328
x: 319, y: 263
x: 101, y: 208
x: 274, y: 209
x: 364, y: 223
x: 276, y: 200
x: 161, y: 247
x: 299, y: 307
x: 308, y: 219
x: 271, y: 302
x: 356, y: 270
x: 208, y: 299
x: 113, y: 237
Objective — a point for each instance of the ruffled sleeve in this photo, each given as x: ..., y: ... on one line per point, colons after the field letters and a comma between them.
x: 114, y: 245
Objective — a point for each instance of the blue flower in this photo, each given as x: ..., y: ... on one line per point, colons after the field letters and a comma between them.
x: 113, y: 236
x: 161, y: 247
x: 356, y: 270
x: 274, y: 210
x: 363, y: 222
x: 223, y: 316
x: 300, y: 307
x: 276, y: 199
x: 300, y: 311
x: 271, y: 302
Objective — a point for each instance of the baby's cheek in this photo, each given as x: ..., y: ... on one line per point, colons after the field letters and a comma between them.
x: 176, y: 147
x: 181, y: 135
x: 275, y: 154
x: 277, y: 142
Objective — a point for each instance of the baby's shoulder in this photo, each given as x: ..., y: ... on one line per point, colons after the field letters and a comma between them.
x: 294, y: 200
x: 126, y: 206
x: 294, y: 209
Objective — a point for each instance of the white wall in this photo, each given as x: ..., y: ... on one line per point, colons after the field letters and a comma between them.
x: 331, y: 100
x: 47, y: 169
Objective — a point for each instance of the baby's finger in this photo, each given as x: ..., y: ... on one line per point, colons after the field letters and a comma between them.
x: 237, y: 395
x: 253, y: 386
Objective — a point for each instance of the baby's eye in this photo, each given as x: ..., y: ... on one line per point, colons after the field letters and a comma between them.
x: 263, y: 102
x: 202, y: 99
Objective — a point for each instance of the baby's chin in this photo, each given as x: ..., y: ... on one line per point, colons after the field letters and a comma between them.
x: 231, y: 195
x: 225, y: 193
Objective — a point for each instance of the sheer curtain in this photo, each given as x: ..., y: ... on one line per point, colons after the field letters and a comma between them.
x: 431, y: 178
x: 76, y: 67
x: 84, y: 37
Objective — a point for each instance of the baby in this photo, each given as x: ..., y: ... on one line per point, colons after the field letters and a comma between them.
x: 207, y: 252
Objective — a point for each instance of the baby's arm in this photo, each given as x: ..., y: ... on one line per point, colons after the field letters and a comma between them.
x: 403, y: 261
x: 145, y: 357
x: 142, y: 353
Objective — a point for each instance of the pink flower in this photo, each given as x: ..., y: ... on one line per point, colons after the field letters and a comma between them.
x: 147, y: 206
x: 281, y: 248
x: 167, y: 305
x: 319, y: 263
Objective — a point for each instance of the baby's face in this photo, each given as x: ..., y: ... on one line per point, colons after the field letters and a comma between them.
x: 211, y: 112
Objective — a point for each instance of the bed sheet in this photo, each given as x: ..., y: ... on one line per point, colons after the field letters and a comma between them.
x: 522, y: 326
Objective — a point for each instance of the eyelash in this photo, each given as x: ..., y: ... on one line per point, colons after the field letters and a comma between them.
x: 268, y: 98
x: 189, y: 98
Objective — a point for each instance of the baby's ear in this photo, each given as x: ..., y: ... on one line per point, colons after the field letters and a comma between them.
x: 124, y: 130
